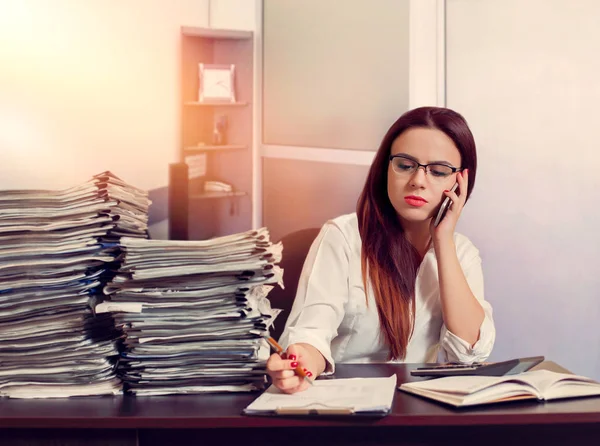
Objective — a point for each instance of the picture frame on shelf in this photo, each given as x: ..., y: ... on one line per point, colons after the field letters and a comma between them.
x: 216, y: 83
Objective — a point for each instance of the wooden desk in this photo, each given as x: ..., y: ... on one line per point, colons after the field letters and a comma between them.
x: 217, y: 419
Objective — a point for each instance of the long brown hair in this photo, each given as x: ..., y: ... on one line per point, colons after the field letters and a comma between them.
x: 388, y: 259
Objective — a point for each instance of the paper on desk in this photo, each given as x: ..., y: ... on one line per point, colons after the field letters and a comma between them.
x: 193, y: 389
x: 29, y: 390
x: 82, y: 234
x: 205, y: 281
x: 355, y: 394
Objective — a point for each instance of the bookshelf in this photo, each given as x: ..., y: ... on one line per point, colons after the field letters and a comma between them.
x: 212, y: 214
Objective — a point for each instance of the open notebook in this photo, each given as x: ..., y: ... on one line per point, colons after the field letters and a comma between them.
x: 352, y: 396
x: 462, y: 391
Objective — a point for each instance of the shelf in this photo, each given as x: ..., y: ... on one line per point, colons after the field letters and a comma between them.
x: 200, y: 149
x: 216, y: 213
x: 213, y: 33
x: 209, y: 195
x: 215, y: 104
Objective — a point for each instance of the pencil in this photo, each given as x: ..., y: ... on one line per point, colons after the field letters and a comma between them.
x: 279, y: 349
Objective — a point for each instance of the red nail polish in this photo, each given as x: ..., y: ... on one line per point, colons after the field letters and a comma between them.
x: 446, y: 190
x: 294, y: 364
x: 292, y: 357
x: 309, y: 374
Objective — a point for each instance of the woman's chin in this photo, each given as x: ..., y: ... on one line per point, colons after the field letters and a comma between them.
x: 414, y: 216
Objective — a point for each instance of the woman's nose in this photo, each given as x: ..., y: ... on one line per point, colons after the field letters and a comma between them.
x: 419, y: 175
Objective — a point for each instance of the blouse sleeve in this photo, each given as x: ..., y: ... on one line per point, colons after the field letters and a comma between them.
x: 456, y: 349
x: 322, y: 295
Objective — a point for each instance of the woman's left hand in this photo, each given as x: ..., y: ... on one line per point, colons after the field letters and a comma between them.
x: 445, y: 229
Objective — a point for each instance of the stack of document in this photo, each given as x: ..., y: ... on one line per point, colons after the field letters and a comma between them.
x: 130, y: 212
x: 55, y: 247
x: 194, y: 313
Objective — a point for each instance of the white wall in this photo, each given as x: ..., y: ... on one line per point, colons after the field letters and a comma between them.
x: 525, y: 75
x: 333, y: 77
x: 88, y: 86
x: 233, y: 14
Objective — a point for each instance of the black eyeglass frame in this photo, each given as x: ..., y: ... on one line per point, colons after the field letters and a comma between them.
x: 425, y: 166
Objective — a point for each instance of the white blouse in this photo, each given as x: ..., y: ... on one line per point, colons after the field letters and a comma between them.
x: 330, y: 311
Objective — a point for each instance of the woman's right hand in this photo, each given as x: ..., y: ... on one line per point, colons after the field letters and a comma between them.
x: 281, y: 367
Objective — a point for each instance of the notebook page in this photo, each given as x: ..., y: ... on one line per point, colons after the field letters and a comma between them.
x: 459, y: 385
x: 359, y: 394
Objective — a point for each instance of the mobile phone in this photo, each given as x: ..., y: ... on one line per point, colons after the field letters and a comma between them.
x: 444, y: 207
x: 510, y: 367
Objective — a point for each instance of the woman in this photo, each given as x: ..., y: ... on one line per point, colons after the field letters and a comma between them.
x: 409, y: 266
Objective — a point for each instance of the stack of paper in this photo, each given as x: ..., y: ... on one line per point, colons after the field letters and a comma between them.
x: 131, y: 210
x: 194, y: 313
x: 54, y: 250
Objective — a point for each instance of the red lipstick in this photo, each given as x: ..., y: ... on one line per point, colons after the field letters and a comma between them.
x: 415, y: 201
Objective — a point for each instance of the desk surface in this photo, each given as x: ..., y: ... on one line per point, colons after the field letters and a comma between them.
x: 224, y: 410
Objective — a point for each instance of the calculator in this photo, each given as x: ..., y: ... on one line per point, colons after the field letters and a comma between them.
x: 510, y: 367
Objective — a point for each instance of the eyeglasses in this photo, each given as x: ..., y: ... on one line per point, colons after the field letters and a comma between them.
x: 405, y: 166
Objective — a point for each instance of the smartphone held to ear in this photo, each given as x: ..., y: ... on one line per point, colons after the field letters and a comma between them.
x: 444, y: 207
